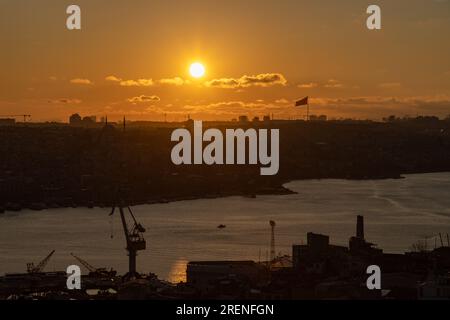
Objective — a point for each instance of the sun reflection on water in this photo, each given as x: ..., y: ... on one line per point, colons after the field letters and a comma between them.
x: 177, y: 272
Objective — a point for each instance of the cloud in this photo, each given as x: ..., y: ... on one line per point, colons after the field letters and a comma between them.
x: 130, y: 83
x: 282, y: 101
x: 229, y: 109
x: 333, y: 84
x: 226, y: 83
x: 358, y: 107
x: 308, y: 85
x: 390, y: 85
x: 137, y: 83
x: 143, y: 98
x: 263, y: 80
x: 366, y: 107
x: 330, y: 84
x: 64, y: 101
x: 176, y: 81
x: 378, y: 106
x: 81, y: 81
x: 260, y: 80
x: 113, y: 79
x: 376, y: 100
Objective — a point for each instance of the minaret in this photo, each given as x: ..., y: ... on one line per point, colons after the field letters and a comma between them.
x: 272, y: 241
x: 360, y: 227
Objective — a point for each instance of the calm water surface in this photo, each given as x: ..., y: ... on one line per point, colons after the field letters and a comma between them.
x: 398, y: 213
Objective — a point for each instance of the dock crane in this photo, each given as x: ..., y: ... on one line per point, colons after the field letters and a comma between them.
x: 119, y: 182
x: 134, y: 238
x: 25, y: 116
x: 96, y: 272
x: 31, y: 268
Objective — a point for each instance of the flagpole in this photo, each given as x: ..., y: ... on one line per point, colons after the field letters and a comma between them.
x: 303, y: 102
x: 307, y: 111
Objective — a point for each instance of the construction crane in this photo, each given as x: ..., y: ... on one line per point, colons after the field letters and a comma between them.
x: 25, y: 116
x: 134, y: 238
x: 95, y: 272
x: 37, y: 269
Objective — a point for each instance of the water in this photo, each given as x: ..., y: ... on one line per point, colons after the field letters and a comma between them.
x: 397, y: 214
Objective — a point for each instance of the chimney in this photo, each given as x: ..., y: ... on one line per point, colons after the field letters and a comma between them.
x: 360, y: 227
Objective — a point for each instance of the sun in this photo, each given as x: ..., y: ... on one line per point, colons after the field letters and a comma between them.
x: 197, y: 70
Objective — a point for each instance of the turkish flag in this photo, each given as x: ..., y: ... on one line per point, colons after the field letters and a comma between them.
x: 302, y: 102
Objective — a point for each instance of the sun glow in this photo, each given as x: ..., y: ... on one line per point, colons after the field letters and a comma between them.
x: 197, y: 70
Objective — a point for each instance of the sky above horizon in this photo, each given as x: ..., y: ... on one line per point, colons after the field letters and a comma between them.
x: 132, y: 59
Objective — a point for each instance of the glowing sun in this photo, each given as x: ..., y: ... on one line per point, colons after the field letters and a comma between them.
x: 197, y: 70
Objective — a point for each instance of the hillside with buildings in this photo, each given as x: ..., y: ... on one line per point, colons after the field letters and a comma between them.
x: 59, y: 165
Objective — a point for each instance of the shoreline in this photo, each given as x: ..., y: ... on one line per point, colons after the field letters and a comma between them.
x: 273, y: 190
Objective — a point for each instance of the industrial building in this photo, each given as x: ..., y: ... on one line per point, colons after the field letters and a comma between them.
x: 7, y: 122
x: 205, y: 275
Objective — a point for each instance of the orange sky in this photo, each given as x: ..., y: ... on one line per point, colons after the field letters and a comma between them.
x: 132, y: 58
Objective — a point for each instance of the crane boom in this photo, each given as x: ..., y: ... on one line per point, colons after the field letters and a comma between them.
x: 84, y: 263
x: 93, y: 271
x: 36, y: 269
